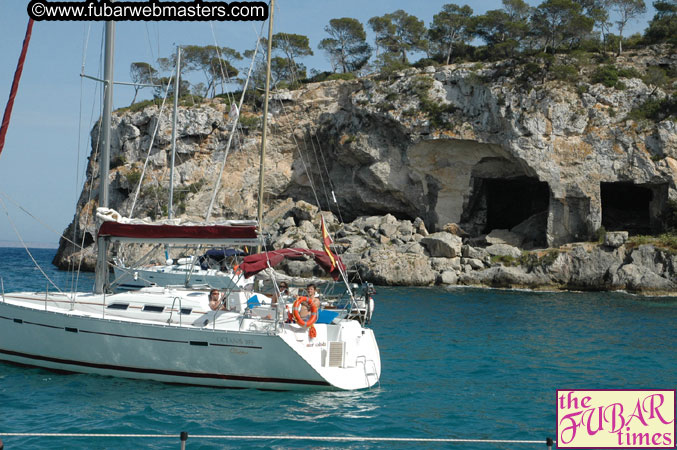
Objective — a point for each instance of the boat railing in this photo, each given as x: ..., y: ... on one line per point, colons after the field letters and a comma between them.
x: 354, y: 301
x: 171, y: 311
x: 2, y: 286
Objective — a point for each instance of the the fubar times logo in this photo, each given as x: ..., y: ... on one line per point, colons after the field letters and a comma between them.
x: 607, y: 419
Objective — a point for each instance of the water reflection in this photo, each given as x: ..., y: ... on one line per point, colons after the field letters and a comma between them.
x: 329, y: 405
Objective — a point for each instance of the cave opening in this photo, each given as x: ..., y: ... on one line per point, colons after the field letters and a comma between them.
x: 519, y: 204
x: 628, y: 207
x: 88, y: 240
x: 512, y: 201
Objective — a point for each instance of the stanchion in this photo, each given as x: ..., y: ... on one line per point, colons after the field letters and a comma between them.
x: 184, y: 438
x: 549, y: 442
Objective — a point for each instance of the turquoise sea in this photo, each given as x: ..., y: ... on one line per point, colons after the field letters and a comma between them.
x: 459, y: 363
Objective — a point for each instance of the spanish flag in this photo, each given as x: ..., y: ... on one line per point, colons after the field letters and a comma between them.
x: 326, y: 241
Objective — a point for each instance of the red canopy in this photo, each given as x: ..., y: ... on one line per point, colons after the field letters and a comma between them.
x: 253, y: 264
x: 180, y: 234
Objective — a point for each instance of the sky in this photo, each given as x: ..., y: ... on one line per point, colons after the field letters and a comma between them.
x: 43, y: 162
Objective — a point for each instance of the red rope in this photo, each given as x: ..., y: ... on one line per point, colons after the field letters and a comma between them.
x: 15, y: 85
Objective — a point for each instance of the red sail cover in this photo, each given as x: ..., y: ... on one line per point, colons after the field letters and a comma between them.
x: 178, y: 233
x: 253, y: 264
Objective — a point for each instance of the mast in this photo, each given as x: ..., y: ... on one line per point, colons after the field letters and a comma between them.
x: 177, y: 83
x: 101, y: 278
x: 264, y: 131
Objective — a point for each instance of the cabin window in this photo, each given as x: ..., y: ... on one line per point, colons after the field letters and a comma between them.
x: 153, y: 308
x: 186, y: 311
x: 121, y: 306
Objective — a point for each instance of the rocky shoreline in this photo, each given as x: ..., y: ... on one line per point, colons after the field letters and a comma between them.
x: 386, y: 251
x: 545, y: 165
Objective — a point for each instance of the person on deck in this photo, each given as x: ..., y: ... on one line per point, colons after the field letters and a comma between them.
x: 284, y: 291
x: 215, y: 300
x: 313, y: 296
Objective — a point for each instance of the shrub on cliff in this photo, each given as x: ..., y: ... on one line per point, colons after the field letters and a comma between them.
x: 564, y: 72
x: 610, y: 75
x: 656, y: 109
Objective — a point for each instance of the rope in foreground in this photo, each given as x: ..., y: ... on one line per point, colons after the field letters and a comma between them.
x: 184, y: 436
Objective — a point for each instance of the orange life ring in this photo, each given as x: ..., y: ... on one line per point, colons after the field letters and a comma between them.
x: 297, y: 311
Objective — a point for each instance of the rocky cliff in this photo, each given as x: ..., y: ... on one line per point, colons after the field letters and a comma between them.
x: 484, y: 146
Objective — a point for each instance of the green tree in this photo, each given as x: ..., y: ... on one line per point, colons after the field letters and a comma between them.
x: 598, y: 11
x: 518, y: 10
x: 398, y: 33
x: 293, y: 46
x: 663, y: 26
x: 497, y: 29
x: 214, y: 62
x: 627, y: 10
x: 141, y: 73
x: 184, y: 87
x: 560, y: 21
x: 258, y: 76
x: 449, y: 27
x: 347, y: 47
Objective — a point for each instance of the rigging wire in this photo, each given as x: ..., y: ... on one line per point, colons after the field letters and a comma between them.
x: 150, y: 147
x: 94, y: 158
x: 224, y: 72
x: 37, y: 219
x: 307, y: 171
x: 217, y: 185
x: 86, y: 32
x: 18, y: 235
x: 300, y: 153
x: 324, y: 165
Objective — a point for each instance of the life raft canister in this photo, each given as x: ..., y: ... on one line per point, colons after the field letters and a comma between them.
x: 297, y: 312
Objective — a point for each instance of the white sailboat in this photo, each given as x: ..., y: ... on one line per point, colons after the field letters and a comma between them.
x: 171, y: 334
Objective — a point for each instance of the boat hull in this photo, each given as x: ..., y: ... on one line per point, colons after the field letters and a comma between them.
x: 58, y: 340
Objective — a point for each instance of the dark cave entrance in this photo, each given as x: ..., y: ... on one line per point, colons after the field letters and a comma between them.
x: 634, y: 208
x: 511, y: 202
x: 519, y: 204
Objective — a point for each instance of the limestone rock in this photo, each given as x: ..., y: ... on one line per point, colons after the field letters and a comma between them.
x: 635, y: 278
x: 443, y: 244
x: 447, y: 277
x: 615, y: 239
x: 387, y: 267
x: 532, y: 229
x: 304, y: 211
x: 455, y: 229
x: 504, y: 250
x: 446, y: 264
x: 473, y: 252
x: 504, y: 237
x: 384, y: 164
x: 419, y: 226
